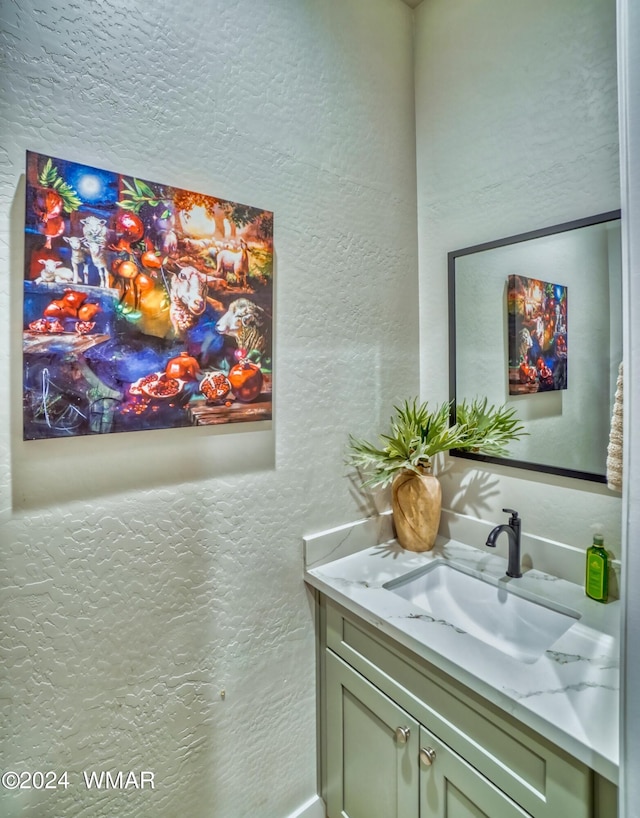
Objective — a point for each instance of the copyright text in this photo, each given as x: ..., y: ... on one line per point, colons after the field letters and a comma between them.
x: 90, y: 779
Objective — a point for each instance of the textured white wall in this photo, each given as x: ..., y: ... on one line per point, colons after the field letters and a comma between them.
x: 516, y: 130
x: 142, y: 574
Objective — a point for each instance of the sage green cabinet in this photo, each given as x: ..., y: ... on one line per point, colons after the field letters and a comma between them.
x: 402, y: 739
x: 384, y: 764
x: 372, y: 750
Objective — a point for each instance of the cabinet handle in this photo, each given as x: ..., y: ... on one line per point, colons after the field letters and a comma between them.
x: 402, y: 734
x: 427, y: 756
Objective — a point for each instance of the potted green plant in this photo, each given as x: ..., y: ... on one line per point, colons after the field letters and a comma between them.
x: 405, y: 456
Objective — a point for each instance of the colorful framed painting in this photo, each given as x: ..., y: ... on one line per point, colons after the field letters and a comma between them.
x: 537, y: 316
x: 146, y: 306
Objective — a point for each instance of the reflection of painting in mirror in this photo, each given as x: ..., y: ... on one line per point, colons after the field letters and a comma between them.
x: 568, y: 429
x: 537, y: 330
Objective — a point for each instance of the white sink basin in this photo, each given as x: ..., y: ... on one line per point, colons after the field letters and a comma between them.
x: 495, y: 612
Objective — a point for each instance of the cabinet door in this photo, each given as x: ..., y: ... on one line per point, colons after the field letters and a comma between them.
x: 372, y: 750
x: 452, y: 788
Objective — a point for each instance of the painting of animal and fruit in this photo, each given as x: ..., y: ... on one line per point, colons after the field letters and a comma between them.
x: 537, y: 329
x: 146, y: 306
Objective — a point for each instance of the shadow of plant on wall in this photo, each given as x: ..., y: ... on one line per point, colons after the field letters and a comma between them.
x: 473, y: 493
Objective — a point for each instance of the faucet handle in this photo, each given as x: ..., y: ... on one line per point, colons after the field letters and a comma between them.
x: 512, y: 511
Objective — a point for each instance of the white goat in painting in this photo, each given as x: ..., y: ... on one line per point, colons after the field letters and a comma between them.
x: 188, y: 296
x: 54, y: 273
x: 78, y: 259
x: 234, y: 261
x: 248, y: 323
x: 95, y: 239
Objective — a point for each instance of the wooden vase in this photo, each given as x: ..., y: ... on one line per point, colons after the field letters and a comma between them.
x: 416, y: 501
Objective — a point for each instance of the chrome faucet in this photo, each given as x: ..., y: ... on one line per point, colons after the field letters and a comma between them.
x: 512, y: 530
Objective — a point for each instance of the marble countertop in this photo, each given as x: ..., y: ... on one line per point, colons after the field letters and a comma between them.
x: 570, y: 694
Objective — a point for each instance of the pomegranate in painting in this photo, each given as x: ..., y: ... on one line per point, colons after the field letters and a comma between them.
x: 48, y: 207
x: 215, y: 386
x: 74, y: 300
x: 246, y: 381
x: 71, y: 305
x: 151, y: 260
x: 125, y: 269
x: 85, y: 327
x: 58, y: 309
x: 184, y: 367
x: 129, y: 226
x: 88, y: 311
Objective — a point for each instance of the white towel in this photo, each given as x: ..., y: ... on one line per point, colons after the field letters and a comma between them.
x: 614, y: 450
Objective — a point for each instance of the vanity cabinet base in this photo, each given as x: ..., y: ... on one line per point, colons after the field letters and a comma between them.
x: 402, y: 739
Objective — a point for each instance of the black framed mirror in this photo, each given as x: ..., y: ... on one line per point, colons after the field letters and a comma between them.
x: 535, y: 322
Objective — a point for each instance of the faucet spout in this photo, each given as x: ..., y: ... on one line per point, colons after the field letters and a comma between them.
x: 512, y: 530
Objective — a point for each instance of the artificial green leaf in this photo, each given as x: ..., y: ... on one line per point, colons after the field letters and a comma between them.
x: 418, y: 434
x: 146, y: 190
x: 44, y: 176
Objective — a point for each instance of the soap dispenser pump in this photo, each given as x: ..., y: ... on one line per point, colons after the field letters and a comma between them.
x: 597, y: 568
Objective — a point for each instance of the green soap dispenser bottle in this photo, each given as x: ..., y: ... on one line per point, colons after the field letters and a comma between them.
x: 597, y: 569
